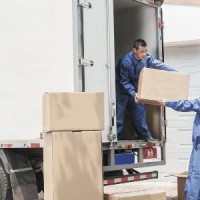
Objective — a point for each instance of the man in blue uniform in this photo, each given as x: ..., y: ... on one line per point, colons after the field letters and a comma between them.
x: 192, y: 186
x: 127, y: 73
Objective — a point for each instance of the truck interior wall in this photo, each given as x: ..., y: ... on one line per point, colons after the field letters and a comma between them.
x: 134, y: 20
x: 153, y: 122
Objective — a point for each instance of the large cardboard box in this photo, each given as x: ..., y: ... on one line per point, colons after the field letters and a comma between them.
x: 73, y: 111
x: 137, y: 195
x: 181, y: 180
x: 73, y: 166
x: 157, y: 84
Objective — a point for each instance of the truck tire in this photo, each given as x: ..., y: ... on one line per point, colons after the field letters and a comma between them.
x: 5, y: 186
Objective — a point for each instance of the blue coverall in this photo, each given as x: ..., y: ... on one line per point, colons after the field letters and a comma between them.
x: 192, y: 186
x: 127, y: 74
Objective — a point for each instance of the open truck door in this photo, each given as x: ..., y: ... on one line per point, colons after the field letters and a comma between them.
x: 96, y: 56
x: 106, y: 31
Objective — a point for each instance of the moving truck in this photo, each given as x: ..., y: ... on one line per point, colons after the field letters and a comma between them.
x: 71, y: 46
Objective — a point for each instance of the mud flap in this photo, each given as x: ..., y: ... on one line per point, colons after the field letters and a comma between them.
x: 22, y: 176
x: 24, y: 185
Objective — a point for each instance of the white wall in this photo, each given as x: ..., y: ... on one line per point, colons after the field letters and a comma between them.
x: 181, y: 22
x: 179, y: 130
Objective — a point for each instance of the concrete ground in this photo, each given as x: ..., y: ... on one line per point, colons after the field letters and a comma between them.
x: 163, y: 183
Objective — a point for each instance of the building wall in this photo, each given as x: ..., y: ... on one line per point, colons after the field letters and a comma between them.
x: 184, y: 2
x: 181, y: 22
x: 182, y: 52
x: 179, y: 130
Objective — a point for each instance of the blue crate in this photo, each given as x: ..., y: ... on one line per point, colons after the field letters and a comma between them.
x: 124, y: 158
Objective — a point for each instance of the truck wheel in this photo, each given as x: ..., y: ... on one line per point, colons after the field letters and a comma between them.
x: 5, y: 187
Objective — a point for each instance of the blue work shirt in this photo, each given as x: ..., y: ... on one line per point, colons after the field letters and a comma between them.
x: 192, y: 187
x: 187, y: 106
x: 128, y: 70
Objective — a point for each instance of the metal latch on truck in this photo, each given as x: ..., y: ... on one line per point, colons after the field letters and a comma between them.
x: 84, y: 4
x: 86, y: 63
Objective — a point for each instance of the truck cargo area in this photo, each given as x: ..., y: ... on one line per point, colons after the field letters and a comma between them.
x: 133, y: 20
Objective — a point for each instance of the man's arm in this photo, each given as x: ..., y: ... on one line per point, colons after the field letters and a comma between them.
x: 185, y: 105
x: 124, y: 79
x: 157, y: 64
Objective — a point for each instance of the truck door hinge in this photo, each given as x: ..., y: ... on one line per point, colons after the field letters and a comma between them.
x: 164, y: 122
x: 86, y: 63
x: 113, y: 109
x: 84, y: 4
x: 113, y: 113
x: 159, y: 2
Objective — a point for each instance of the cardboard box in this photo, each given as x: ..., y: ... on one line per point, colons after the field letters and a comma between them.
x: 140, y: 195
x: 157, y: 84
x: 73, y: 166
x: 73, y: 111
x: 181, y: 179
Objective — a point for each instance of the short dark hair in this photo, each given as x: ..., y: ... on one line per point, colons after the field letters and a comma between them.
x: 139, y: 42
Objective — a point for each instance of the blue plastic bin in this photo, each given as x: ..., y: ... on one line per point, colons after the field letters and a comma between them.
x: 124, y: 158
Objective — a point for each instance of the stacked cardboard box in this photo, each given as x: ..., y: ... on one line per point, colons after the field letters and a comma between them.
x: 72, y: 146
x: 157, y: 84
x: 73, y: 111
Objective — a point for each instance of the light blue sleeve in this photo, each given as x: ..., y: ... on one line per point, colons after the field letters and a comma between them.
x: 157, y: 64
x: 185, y: 105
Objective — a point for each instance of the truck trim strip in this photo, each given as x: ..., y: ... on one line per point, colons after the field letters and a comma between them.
x: 21, y: 144
x: 131, y: 178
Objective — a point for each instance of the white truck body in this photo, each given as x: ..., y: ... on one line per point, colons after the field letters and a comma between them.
x: 36, y: 55
x: 69, y: 46
x: 40, y: 48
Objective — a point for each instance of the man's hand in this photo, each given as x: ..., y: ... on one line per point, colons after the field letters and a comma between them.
x: 162, y: 102
x: 136, y: 97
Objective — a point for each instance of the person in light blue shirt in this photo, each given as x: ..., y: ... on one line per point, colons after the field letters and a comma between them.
x: 127, y: 74
x: 192, y: 186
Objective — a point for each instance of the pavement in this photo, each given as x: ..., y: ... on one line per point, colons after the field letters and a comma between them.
x: 165, y: 182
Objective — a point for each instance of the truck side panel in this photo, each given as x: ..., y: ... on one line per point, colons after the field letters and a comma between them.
x: 36, y: 55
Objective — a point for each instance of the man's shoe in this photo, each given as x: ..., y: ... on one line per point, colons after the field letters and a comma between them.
x: 151, y: 140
